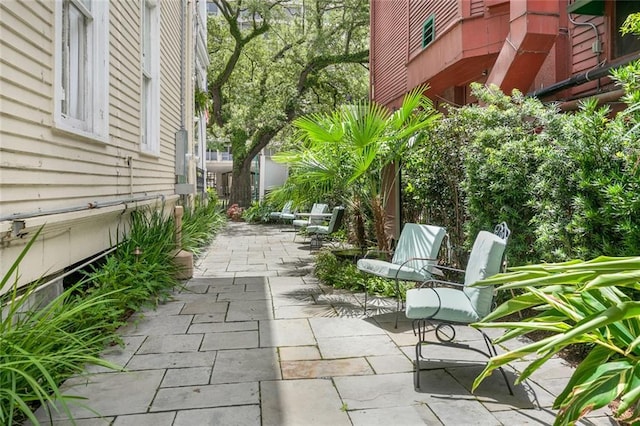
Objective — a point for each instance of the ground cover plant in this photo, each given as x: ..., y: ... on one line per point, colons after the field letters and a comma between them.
x: 40, y: 348
x: 259, y: 212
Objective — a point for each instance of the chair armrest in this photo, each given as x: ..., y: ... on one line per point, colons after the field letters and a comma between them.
x: 447, y: 283
x: 413, y: 259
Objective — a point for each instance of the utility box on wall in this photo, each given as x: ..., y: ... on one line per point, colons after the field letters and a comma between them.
x: 181, y: 155
x: 182, y: 162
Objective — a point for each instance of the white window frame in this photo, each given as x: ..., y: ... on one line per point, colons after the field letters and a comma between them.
x: 83, y: 76
x: 150, y: 77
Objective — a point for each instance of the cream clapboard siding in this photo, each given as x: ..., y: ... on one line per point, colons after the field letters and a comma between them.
x: 60, y: 174
x: 170, y: 92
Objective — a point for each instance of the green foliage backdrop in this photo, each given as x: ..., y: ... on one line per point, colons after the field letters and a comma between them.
x: 568, y: 185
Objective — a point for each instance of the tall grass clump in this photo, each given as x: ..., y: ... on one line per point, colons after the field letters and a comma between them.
x: 200, y: 225
x: 141, y: 269
x: 40, y: 348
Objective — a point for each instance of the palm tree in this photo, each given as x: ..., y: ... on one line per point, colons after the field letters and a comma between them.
x: 345, y: 153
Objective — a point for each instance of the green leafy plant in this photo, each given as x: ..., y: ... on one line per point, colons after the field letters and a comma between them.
x: 258, y: 212
x: 576, y: 302
x: 200, y: 101
x: 348, y: 151
x: 200, y: 224
x: 568, y: 184
x: 40, y: 346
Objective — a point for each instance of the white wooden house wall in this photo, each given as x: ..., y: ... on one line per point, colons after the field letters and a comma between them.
x: 81, y: 189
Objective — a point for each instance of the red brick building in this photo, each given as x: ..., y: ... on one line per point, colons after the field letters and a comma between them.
x: 557, y: 50
x: 554, y: 49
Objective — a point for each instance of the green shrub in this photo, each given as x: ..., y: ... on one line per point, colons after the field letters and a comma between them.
x: 259, y: 212
x: 568, y: 185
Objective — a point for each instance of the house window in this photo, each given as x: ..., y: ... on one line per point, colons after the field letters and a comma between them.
x: 428, y: 31
x: 81, y: 73
x: 150, y: 102
x: 630, y: 43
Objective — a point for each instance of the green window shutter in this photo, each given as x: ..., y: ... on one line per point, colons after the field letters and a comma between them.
x: 428, y: 31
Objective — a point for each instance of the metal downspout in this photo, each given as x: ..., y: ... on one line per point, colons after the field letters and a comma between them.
x: 182, y: 63
x: 581, y: 78
x: 88, y: 206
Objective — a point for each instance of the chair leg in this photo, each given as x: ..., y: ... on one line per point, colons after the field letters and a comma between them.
x: 420, y: 330
x: 318, y: 242
x: 416, y: 373
x: 365, y: 300
x: 397, y: 302
x: 420, y: 327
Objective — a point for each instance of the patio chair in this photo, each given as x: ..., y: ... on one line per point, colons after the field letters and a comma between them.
x: 413, y: 259
x: 439, y: 305
x: 285, y: 214
x: 319, y: 232
x: 315, y: 217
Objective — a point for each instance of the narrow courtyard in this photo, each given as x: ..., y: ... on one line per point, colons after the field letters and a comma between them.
x: 254, y: 339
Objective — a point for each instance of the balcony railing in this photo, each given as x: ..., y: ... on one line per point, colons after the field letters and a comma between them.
x: 219, y: 156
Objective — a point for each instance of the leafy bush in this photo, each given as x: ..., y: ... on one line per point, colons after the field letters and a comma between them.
x: 259, y: 212
x: 576, y: 302
x: 567, y: 184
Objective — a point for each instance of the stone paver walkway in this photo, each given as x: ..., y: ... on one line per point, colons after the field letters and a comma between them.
x: 254, y: 339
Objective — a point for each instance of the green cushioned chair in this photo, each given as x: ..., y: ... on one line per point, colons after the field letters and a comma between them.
x: 319, y: 232
x: 316, y: 217
x: 413, y: 259
x: 438, y: 305
x: 285, y: 214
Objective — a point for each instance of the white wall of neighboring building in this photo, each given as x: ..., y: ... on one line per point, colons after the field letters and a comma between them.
x: 272, y: 174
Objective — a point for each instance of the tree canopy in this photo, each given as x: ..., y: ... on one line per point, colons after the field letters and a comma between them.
x: 273, y: 61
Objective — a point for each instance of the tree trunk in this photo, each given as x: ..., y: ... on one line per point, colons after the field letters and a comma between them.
x: 380, y: 223
x: 241, y: 183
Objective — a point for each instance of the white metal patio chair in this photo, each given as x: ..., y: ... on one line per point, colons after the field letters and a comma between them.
x: 319, y: 232
x: 317, y: 216
x: 439, y: 304
x: 413, y: 259
x: 285, y: 214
